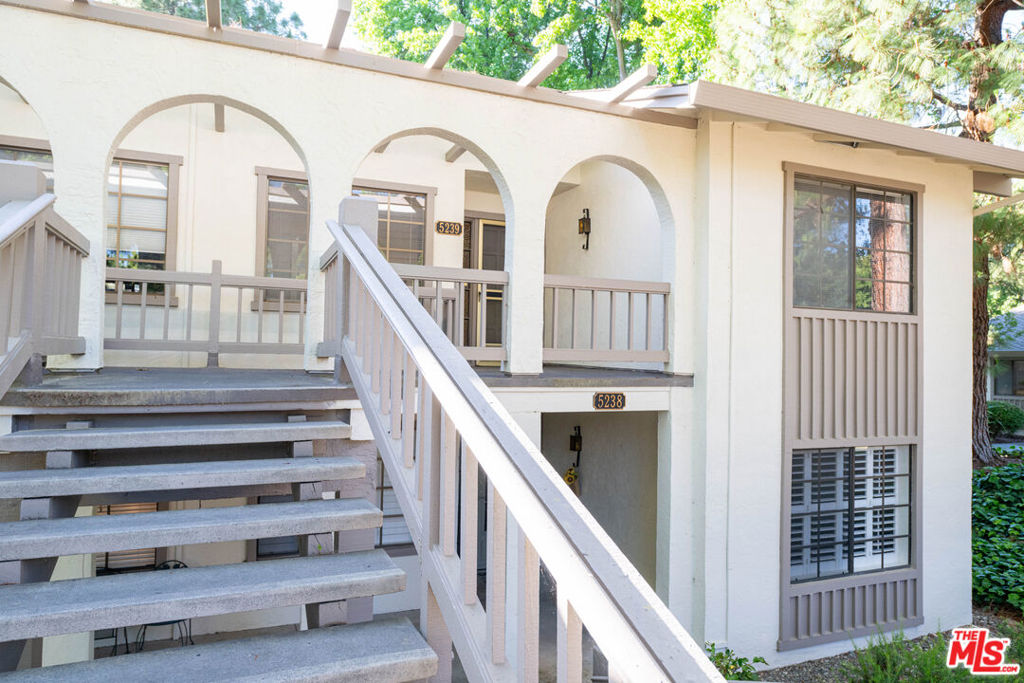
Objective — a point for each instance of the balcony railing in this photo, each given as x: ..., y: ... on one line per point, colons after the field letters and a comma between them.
x: 155, y: 310
x: 40, y: 273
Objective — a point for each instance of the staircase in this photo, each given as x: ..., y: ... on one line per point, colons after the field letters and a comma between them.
x: 203, y: 457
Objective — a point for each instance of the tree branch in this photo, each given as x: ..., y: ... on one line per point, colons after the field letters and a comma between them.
x: 936, y: 95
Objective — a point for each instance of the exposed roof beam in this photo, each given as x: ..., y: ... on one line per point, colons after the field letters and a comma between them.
x: 218, y: 118
x: 993, y: 183
x: 213, y: 14
x: 446, y: 48
x: 379, y: 149
x: 1001, y: 204
x: 544, y: 66
x: 454, y: 153
x: 632, y: 83
x: 341, y: 17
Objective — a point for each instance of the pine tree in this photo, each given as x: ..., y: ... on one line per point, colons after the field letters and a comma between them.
x: 952, y: 65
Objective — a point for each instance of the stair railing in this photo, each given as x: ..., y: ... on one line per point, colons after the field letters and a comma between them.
x: 437, y: 427
x: 40, y: 274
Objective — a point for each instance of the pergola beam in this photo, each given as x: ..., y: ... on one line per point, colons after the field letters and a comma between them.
x: 545, y: 66
x: 454, y: 153
x: 631, y: 83
x: 1001, y: 204
x: 446, y: 48
x: 213, y: 19
x: 341, y: 17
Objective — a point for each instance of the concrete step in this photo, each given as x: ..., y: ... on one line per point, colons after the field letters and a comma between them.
x: 107, y: 533
x: 378, y: 651
x: 45, y: 609
x: 178, y: 435
x: 172, y: 477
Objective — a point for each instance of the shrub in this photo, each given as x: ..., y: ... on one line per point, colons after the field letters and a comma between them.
x: 1004, y: 418
x: 733, y: 667
x: 998, y: 538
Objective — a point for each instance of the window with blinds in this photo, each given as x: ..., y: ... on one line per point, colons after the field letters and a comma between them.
x: 137, y: 215
x: 401, y: 224
x: 393, y: 532
x: 42, y: 159
x: 850, y: 511
x: 122, y: 560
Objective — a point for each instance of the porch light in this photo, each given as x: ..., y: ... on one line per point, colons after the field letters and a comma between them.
x: 584, y: 224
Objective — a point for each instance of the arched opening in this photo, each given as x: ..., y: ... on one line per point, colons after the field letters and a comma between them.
x: 608, y: 256
x: 207, y: 198
x: 444, y: 218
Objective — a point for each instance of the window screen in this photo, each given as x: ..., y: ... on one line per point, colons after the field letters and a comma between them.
x: 137, y: 215
x: 401, y: 224
x: 850, y: 511
x: 852, y: 246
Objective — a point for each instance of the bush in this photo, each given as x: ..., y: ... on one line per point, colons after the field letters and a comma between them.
x: 893, y: 660
x: 1004, y: 418
x: 998, y: 539
x: 731, y: 666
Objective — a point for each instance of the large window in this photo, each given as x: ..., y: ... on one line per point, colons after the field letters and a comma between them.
x: 286, y: 209
x: 137, y: 215
x: 850, y: 511
x: 42, y: 159
x: 1009, y: 376
x: 401, y: 224
x: 852, y: 246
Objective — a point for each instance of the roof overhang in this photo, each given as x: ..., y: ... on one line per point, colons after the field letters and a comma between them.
x: 994, y: 166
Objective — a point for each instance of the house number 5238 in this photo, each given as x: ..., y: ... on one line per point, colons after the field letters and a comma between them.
x: 608, y: 400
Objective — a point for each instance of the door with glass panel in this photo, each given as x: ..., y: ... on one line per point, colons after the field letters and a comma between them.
x: 484, y: 249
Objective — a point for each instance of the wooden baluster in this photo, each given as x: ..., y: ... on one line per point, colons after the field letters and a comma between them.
x: 238, y: 314
x: 409, y: 412
x: 7, y: 293
x: 497, y: 531
x: 260, y: 296
x: 213, y: 348
x: 664, y: 322
x: 572, y: 319
x: 352, y: 295
x: 387, y: 339
x: 593, y: 319
x: 76, y: 294
x: 423, y: 434
x: 449, y: 487
x: 648, y: 346
x: 395, y: 392
x: 280, y: 316
x: 482, y: 339
x: 188, y: 321
x: 367, y: 331
x: 142, y: 311
x: 554, y: 317
x: 528, y: 615
x: 460, y: 314
x: 469, y: 525
x: 376, y: 339
x: 629, y: 320
x: 611, y: 320
x: 430, y: 469
x: 302, y: 318
x: 20, y: 285
x: 167, y: 311
x: 569, y: 642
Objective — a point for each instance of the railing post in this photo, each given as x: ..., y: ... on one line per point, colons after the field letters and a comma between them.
x: 213, y: 348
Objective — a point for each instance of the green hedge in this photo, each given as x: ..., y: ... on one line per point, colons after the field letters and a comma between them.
x: 998, y: 542
x: 1004, y: 418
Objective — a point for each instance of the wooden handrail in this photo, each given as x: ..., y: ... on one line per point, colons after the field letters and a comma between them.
x: 605, y: 284
x: 446, y: 274
x: 384, y: 329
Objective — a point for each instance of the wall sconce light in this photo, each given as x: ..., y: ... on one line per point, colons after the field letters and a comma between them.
x: 585, y: 227
x: 572, y: 475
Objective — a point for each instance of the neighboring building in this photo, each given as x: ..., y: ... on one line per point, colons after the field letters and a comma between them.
x: 724, y: 294
x: 1006, y: 362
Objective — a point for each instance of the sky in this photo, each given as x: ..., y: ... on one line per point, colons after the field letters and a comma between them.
x: 317, y: 18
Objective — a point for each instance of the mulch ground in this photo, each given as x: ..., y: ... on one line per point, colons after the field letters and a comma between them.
x: 832, y: 669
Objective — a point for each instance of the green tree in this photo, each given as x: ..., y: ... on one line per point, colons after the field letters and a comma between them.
x: 607, y: 39
x: 264, y: 16
x: 951, y: 65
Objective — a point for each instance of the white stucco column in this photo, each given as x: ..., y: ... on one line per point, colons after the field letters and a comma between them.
x: 524, y: 259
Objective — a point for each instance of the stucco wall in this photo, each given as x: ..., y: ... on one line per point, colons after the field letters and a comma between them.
x: 738, y: 418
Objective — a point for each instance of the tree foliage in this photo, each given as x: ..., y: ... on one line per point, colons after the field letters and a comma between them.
x: 264, y: 16
x: 607, y: 39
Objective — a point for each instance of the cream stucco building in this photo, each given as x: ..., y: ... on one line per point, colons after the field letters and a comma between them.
x: 709, y: 306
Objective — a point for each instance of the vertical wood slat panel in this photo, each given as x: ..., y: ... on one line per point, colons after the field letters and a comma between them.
x: 497, y: 531
x: 854, y: 378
